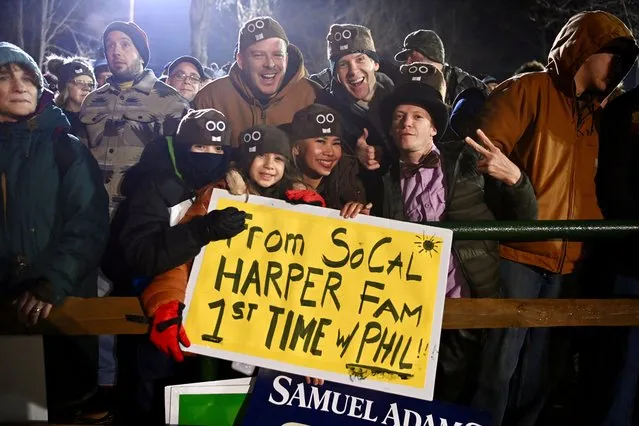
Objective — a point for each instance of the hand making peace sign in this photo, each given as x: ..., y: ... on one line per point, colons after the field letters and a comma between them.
x: 493, y: 161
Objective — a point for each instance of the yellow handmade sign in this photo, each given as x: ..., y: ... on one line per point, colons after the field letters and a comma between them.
x: 357, y: 301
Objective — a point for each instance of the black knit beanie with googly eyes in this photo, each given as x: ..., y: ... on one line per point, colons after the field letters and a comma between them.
x: 315, y: 121
x: 258, y: 29
x: 204, y: 127
x: 262, y: 139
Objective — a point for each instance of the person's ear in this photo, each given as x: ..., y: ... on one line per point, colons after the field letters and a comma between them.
x: 295, y: 150
x: 240, y: 60
x: 376, y: 67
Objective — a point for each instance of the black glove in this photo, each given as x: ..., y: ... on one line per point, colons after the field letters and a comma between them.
x: 220, y: 224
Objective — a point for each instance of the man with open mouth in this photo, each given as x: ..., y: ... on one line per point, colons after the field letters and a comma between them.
x: 357, y: 89
x: 267, y: 83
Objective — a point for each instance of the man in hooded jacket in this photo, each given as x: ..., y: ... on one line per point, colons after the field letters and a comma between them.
x: 547, y: 123
x: 267, y: 83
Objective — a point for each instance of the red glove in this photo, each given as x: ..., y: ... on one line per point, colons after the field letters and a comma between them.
x: 304, y: 196
x: 167, y: 331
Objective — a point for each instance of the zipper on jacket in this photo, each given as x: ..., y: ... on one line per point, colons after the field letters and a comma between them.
x: 571, y: 191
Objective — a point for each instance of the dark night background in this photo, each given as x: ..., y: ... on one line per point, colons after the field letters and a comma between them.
x: 484, y: 37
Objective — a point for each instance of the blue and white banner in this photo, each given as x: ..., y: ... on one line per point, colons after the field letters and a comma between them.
x: 286, y: 400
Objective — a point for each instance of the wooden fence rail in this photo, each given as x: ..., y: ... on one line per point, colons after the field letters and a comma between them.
x: 123, y: 315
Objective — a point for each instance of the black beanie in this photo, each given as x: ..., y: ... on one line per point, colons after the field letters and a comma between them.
x: 315, y: 121
x: 67, y: 69
x: 258, y: 29
x: 204, y: 127
x: 137, y: 35
x: 262, y: 139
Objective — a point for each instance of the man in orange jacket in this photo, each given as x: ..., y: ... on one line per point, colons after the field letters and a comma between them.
x: 547, y: 123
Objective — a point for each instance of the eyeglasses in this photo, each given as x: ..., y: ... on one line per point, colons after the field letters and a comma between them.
x: 83, y: 85
x: 181, y: 76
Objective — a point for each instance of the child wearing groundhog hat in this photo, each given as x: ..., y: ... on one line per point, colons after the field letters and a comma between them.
x: 266, y: 167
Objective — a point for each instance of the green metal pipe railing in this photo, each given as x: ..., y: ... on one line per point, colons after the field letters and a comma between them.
x: 540, y: 230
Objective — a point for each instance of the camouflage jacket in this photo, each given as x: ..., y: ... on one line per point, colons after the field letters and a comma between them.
x: 458, y: 80
x: 120, y: 123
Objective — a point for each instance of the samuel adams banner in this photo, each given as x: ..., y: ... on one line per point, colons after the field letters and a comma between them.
x: 302, y: 290
x: 285, y: 399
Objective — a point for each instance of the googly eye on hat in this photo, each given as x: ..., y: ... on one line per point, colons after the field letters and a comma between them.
x: 422, y: 72
x: 418, y: 71
x: 262, y: 139
x: 315, y: 121
x: 251, y: 139
x: 258, y: 29
x: 343, y: 39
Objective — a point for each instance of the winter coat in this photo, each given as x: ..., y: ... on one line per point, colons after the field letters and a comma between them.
x: 458, y: 80
x: 354, y: 119
x: 54, y: 220
x: 617, y: 177
x: 232, y: 96
x: 470, y: 196
x: 120, y: 123
x: 171, y: 285
x: 343, y: 185
x: 77, y: 127
x: 552, y: 136
x: 143, y: 244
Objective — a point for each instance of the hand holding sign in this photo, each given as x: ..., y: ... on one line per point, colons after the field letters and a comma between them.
x: 222, y: 224
x: 493, y: 161
x: 353, y: 301
x: 314, y: 381
x: 167, y: 331
x: 369, y: 156
x: 304, y: 196
x: 353, y: 208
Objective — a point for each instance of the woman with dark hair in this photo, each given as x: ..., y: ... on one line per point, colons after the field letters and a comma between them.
x: 319, y: 156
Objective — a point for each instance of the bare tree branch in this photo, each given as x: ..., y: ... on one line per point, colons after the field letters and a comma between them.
x: 200, y: 17
x: 56, y: 30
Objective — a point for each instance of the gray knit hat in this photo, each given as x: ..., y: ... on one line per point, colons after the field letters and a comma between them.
x: 258, y: 29
x: 263, y: 139
x: 344, y: 39
x: 426, y: 42
x: 12, y: 54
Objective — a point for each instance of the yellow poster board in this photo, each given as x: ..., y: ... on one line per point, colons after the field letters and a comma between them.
x: 302, y: 290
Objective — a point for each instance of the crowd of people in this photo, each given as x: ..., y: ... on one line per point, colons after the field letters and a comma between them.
x: 106, y: 172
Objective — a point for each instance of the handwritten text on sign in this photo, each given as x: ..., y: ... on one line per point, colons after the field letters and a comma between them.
x: 306, y: 291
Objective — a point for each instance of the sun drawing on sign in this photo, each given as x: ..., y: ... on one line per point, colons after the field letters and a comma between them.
x: 427, y: 244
